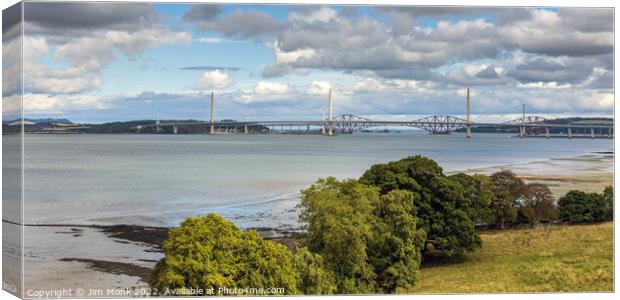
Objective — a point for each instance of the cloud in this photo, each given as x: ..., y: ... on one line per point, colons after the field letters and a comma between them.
x: 270, y: 88
x: 240, y: 24
x: 202, y: 13
x: 212, y: 40
x: 562, y: 70
x: 318, y: 38
x: 211, y: 68
x: 61, y: 22
x: 87, y: 37
x: 555, y: 34
x: 35, y: 103
x: 214, y: 80
x: 311, y: 14
x: 319, y: 88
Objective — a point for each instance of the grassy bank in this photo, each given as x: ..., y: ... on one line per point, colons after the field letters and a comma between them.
x: 544, y: 259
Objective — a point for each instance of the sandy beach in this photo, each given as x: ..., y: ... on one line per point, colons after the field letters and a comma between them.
x: 590, y: 173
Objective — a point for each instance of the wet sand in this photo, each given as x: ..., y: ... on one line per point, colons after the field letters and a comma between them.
x: 590, y: 173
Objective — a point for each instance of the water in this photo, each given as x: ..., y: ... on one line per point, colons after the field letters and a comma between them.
x: 254, y: 180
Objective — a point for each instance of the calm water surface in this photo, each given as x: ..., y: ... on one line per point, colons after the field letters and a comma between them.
x: 253, y: 180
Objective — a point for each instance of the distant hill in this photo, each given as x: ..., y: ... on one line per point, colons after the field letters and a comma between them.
x: 40, y: 121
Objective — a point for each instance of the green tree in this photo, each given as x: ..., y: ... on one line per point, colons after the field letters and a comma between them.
x: 576, y: 207
x: 337, y: 217
x: 478, y: 194
x: 441, y: 206
x: 582, y: 207
x: 312, y: 277
x: 210, y: 252
x: 396, y: 246
x: 370, y: 242
x: 539, y: 205
x: 510, y: 194
x: 608, y: 203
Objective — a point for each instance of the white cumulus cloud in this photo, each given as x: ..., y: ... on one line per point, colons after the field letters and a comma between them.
x: 266, y: 88
x: 214, y: 80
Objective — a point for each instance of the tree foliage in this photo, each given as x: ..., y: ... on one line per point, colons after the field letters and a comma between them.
x: 442, y: 208
x: 396, y: 244
x: 539, y: 205
x: 209, y: 252
x: 338, y: 218
x: 510, y: 193
x: 582, y: 207
x: 478, y: 193
x: 311, y: 275
x: 370, y: 242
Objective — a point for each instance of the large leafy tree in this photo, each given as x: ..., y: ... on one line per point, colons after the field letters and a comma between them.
x: 442, y: 209
x: 539, y: 204
x: 338, y: 221
x: 396, y: 244
x: 478, y: 194
x: 582, y: 207
x: 370, y: 242
x: 209, y: 252
x: 510, y: 194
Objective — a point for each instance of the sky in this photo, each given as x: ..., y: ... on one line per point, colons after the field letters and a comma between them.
x: 102, y: 62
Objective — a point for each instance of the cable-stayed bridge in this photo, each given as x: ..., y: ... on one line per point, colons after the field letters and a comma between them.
x: 348, y: 124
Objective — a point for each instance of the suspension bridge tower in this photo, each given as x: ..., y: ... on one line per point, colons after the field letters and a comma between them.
x: 468, y: 116
x: 330, y: 129
x: 212, y: 129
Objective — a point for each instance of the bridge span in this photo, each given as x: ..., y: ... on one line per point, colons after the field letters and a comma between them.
x: 348, y: 124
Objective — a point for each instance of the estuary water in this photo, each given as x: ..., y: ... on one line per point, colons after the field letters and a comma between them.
x: 253, y: 180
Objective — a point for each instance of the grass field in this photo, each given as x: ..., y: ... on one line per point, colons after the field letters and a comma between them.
x: 544, y: 259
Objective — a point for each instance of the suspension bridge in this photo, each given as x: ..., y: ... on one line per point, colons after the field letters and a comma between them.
x: 347, y: 124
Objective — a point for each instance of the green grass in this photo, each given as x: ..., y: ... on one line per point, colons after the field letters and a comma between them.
x: 543, y: 259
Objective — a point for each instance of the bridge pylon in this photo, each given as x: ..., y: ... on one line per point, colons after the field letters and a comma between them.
x: 330, y: 130
x: 212, y: 128
x: 468, y: 116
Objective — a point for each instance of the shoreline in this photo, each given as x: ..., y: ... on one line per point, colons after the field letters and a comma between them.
x: 589, y: 172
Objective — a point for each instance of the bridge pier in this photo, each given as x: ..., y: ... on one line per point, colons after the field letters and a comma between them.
x: 591, y: 132
x: 521, y: 132
x: 570, y: 133
x: 175, y: 129
x: 547, y: 132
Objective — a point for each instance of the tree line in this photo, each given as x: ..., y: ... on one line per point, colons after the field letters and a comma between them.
x: 368, y: 235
